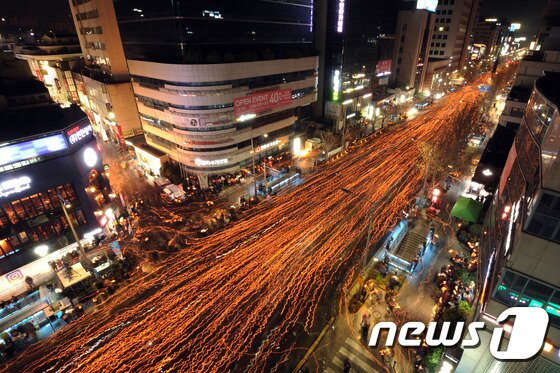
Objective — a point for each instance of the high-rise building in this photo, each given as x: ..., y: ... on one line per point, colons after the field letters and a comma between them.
x: 412, y: 45
x: 519, y: 258
x: 217, y: 82
x: 355, y: 58
x: 452, y: 29
x: 104, y: 86
x: 486, y: 36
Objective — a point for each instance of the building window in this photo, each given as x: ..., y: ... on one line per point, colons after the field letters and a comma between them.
x: 443, y: 45
x: 400, y: 49
x: 437, y: 44
x: 445, y: 36
x: 545, y: 221
x: 448, y: 20
x: 402, y: 38
x: 439, y: 36
x: 37, y: 217
x: 517, y: 290
x: 399, y: 60
x: 431, y: 45
x: 441, y: 53
x: 87, y: 15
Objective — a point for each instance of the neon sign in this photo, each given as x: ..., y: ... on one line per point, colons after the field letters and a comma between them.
x: 214, y: 162
x: 268, y: 145
x: 16, y: 185
x: 76, y: 134
x: 340, y: 22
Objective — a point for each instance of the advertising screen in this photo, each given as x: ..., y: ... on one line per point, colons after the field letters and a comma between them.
x: 31, y: 149
x: 429, y: 5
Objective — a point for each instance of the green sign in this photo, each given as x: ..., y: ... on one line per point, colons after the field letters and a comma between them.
x: 536, y: 303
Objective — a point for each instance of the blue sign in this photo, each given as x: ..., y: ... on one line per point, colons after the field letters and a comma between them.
x: 484, y: 88
x: 116, y: 247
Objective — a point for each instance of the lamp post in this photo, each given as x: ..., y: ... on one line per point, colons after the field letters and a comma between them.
x: 65, y: 205
x: 345, y: 107
x: 253, y: 158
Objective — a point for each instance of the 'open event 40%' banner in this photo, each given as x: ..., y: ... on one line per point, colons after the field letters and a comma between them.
x: 262, y: 101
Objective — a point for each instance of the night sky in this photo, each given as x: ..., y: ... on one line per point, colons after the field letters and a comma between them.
x: 528, y: 13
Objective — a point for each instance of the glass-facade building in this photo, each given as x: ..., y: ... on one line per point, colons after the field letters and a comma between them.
x: 207, y: 77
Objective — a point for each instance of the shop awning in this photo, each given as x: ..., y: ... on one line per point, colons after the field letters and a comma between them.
x: 467, y: 209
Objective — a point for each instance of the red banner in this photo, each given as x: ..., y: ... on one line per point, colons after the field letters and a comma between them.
x: 263, y: 101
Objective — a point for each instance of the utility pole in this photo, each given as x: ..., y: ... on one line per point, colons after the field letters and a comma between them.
x: 64, y: 203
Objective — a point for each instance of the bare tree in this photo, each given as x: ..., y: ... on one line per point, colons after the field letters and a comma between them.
x: 329, y: 141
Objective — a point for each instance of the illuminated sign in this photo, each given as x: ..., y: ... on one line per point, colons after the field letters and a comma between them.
x: 336, y: 84
x: 267, y: 146
x: 514, y: 27
x: 90, y: 157
x: 31, y: 149
x: 15, y: 276
x: 491, y: 20
x: 383, y: 68
x: 429, y: 5
x: 14, y: 186
x: 262, y: 101
x: 76, y: 134
x: 340, y: 21
x: 214, y: 162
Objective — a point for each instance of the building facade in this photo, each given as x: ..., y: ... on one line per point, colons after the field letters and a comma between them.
x: 103, y: 81
x: 356, y: 49
x: 452, y: 29
x: 51, y: 60
x: 519, y: 259
x: 234, y: 84
x: 34, y: 142
x: 412, y: 45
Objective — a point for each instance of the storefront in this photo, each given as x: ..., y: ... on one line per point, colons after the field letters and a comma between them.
x: 48, y: 183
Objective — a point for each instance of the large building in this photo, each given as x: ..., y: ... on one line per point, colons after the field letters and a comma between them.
x: 49, y: 157
x: 452, y: 29
x: 356, y: 41
x: 103, y: 81
x: 412, y: 45
x: 519, y: 259
x: 216, y: 80
x: 487, y: 34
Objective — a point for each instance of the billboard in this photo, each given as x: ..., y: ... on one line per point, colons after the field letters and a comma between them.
x: 31, y: 149
x: 261, y: 101
x: 383, y: 68
x: 429, y: 5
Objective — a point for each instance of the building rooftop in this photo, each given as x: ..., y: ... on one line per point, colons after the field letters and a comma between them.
x: 519, y: 94
x: 494, y: 158
x: 140, y: 142
x: 548, y: 86
x: 19, y: 124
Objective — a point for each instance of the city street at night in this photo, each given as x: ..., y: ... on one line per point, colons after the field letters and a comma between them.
x: 234, y: 298
x: 280, y: 186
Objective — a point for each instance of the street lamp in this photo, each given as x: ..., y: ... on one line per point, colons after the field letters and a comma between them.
x: 265, y: 135
x: 65, y: 206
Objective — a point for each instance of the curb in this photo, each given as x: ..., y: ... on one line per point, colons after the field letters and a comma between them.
x: 314, y: 345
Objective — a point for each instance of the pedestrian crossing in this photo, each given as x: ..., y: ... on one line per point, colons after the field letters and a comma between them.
x: 360, y: 359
